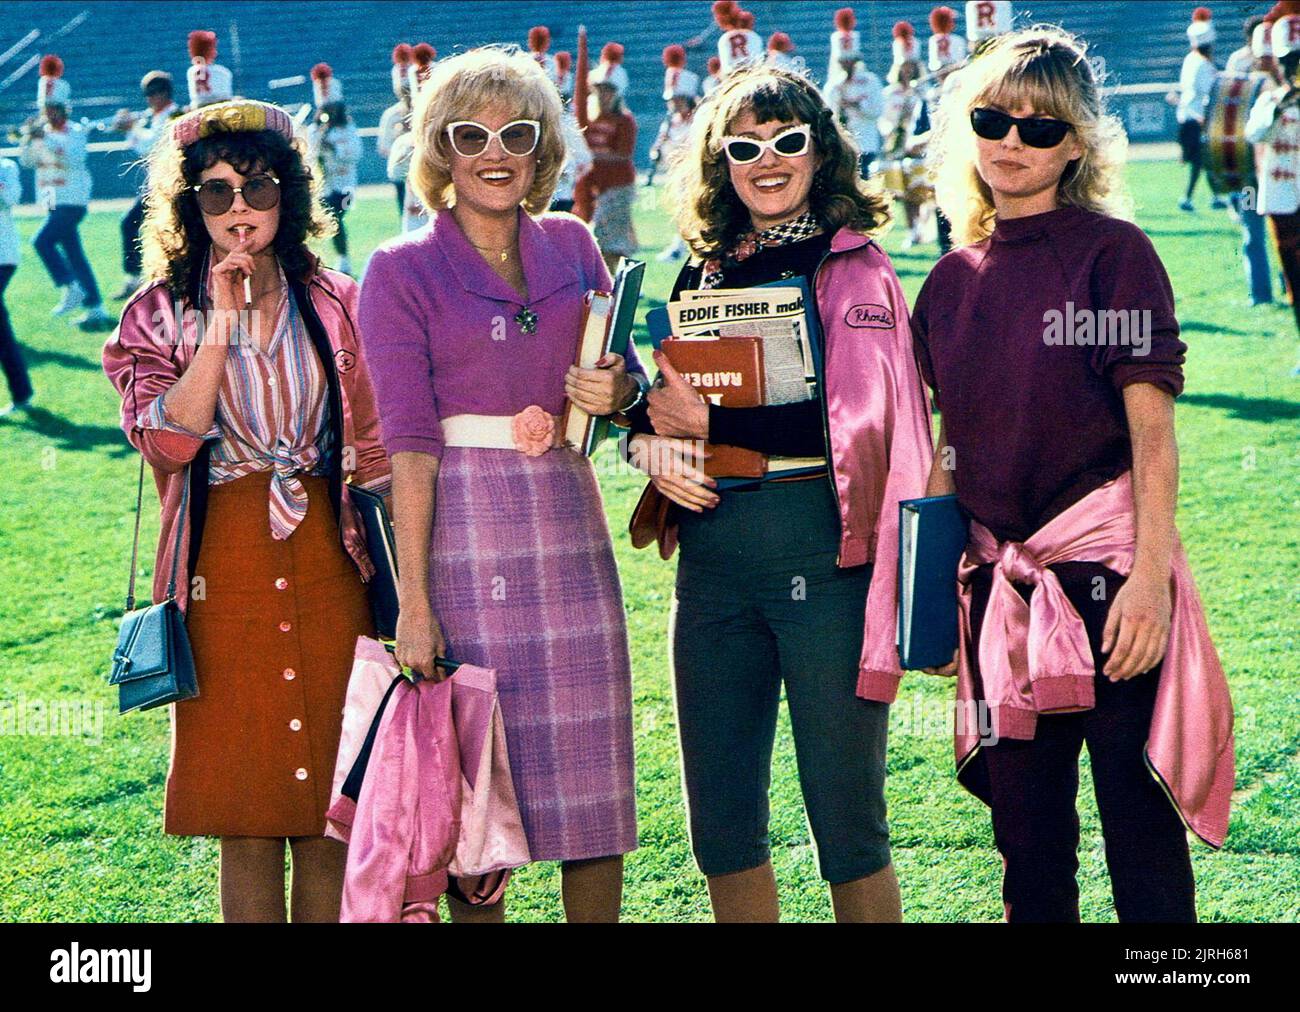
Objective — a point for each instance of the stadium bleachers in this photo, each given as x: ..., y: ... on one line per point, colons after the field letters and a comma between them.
x: 107, y: 46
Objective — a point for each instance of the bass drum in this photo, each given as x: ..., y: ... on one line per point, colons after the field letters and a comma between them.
x: 1228, y: 160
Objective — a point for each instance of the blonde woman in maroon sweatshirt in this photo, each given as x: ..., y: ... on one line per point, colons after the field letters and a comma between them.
x: 1044, y: 401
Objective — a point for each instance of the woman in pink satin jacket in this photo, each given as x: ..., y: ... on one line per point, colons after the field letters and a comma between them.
x: 244, y: 388
x: 789, y: 582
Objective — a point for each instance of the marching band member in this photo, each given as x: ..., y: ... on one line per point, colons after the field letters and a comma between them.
x: 947, y: 49
x: 1274, y: 125
x: 564, y: 74
x: 577, y: 156
x: 856, y: 96
x: 207, y: 80
x: 144, y: 132
x: 739, y: 44
x: 904, y: 46
x: 608, y: 187
x: 11, y: 353
x: 714, y: 77
x: 1080, y: 619
x: 256, y: 421
x: 419, y: 74
x: 680, y: 85
x: 780, y: 52
x: 57, y: 151
x: 1245, y: 203
x: 539, y: 44
x: 903, y: 106
x: 770, y: 189
x: 1194, y: 86
x: 335, y: 146
x: 396, y: 119
x: 1242, y: 61
x: 469, y: 418
x: 680, y: 89
x: 845, y: 39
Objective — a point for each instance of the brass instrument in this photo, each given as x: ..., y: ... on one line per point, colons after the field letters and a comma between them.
x: 30, y: 129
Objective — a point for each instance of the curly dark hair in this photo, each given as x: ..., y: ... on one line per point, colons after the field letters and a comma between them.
x: 711, y: 216
x: 175, y: 239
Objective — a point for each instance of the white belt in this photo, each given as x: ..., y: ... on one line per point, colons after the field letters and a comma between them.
x: 483, y: 432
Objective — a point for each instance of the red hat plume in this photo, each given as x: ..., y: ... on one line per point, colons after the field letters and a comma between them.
x: 612, y: 53
x: 674, y: 56
x: 715, y: 64
x: 322, y: 72
x: 539, y: 39
x: 904, y: 30
x: 563, y: 61
x: 203, y: 45
x: 1202, y: 14
x: 943, y: 20
x: 401, y: 54
x: 51, y: 66
x: 846, y: 19
x: 745, y: 20
x: 780, y: 43
x: 423, y: 54
x: 724, y: 13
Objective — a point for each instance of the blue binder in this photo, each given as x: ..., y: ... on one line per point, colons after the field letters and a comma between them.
x: 931, y: 538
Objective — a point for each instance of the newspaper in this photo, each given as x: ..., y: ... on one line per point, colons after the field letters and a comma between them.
x: 775, y: 315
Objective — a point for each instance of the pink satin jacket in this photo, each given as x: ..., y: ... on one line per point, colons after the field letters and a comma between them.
x: 143, y: 358
x: 1034, y: 658
x: 880, y: 431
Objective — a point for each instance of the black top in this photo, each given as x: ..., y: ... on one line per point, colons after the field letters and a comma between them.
x: 781, y: 430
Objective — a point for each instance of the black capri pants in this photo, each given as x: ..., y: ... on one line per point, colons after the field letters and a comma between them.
x: 760, y: 604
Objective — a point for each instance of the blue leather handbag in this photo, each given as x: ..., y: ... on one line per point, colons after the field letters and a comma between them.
x: 152, y: 663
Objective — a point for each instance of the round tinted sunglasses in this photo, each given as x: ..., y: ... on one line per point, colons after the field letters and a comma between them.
x: 1035, y: 131
x: 470, y: 139
x: 216, y: 196
x: 790, y: 143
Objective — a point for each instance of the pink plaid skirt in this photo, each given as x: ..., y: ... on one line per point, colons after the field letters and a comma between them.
x: 522, y: 579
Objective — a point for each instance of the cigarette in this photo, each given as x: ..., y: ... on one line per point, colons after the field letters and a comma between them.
x: 248, y: 283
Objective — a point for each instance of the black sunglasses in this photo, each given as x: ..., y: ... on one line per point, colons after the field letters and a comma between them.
x: 216, y: 196
x: 1035, y: 131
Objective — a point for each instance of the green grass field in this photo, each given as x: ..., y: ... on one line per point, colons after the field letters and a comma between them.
x: 80, y: 817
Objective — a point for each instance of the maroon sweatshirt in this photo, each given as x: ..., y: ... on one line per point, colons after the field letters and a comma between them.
x: 1029, y: 369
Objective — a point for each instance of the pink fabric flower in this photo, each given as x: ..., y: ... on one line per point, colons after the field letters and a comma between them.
x: 533, y: 430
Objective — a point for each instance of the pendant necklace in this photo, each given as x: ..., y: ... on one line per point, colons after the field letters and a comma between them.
x: 525, y: 318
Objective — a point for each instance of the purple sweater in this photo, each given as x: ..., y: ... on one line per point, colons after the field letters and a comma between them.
x: 439, y: 332
x: 1036, y: 415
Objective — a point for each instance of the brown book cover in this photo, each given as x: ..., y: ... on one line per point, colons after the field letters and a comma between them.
x: 729, y: 372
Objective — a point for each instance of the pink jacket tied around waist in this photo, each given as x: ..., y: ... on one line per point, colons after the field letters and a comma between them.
x: 1035, y: 658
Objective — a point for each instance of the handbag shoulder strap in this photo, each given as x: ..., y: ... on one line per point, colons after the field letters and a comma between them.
x: 135, y: 539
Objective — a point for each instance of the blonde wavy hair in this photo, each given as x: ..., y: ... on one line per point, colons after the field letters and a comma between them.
x: 1047, y: 68
x: 710, y: 215
x: 463, y: 85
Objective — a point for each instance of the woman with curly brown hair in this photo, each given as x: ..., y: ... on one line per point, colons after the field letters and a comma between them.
x: 789, y: 582
x: 243, y: 386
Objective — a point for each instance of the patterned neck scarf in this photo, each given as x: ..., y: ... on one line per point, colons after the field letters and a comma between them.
x: 796, y: 230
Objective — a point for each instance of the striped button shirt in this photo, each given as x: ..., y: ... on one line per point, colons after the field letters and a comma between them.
x: 272, y: 415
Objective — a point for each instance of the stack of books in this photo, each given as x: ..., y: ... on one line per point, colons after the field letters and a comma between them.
x: 744, y: 348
